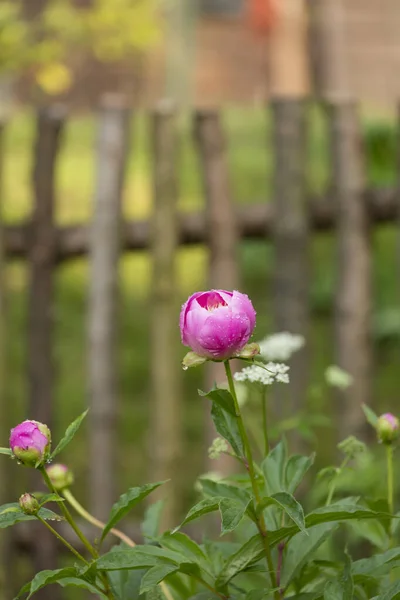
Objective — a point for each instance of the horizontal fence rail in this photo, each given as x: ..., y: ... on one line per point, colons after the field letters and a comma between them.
x: 254, y: 221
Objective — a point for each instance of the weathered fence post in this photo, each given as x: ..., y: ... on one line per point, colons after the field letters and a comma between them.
x: 291, y: 242
x: 353, y: 348
x: 165, y: 438
x: 42, y: 259
x: 112, y: 146
x: 222, y: 234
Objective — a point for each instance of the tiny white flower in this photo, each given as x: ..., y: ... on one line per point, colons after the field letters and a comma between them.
x: 271, y: 373
x: 337, y: 377
x: 281, y: 346
x: 218, y: 446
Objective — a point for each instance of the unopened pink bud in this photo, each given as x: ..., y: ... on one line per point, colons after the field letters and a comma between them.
x: 29, y: 504
x: 388, y: 428
x: 30, y: 443
x: 217, y: 324
x: 60, y: 476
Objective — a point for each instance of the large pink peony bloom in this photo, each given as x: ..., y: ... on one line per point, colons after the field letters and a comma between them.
x: 217, y: 324
x: 30, y: 442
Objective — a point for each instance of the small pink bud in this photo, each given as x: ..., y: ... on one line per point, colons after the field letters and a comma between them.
x: 388, y: 428
x: 217, y: 324
x: 60, y: 476
x: 29, y: 504
x: 30, y: 443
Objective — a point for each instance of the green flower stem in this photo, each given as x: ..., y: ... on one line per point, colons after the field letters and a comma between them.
x: 390, y: 487
x: 261, y: 521
x: 68, y: 516
x: 332, y: 487
x: 97, y: 523
x: 265, y: 421
x: 62, y: 540
x: 210, y: 588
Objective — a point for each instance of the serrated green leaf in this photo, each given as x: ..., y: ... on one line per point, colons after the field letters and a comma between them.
x: 81, y: 583
x: 151, y: 522
x: 392, y: 593
x: 227, y: 426
x: 188, y: 548
x: 273, y: 467
x: 50, y: 498
x: 155, y: 575
x: 296, y: 468
x: 289, y: 504
x: 300, y: 549
x: 371, y: 417
x: 221, y: 397
x: 341, y: 512
x: 140, y: 557
x: 69, y: 434
x: 126, y: 502
x: 342, y: 588
x: 47, y: 577
x: 232, y: 512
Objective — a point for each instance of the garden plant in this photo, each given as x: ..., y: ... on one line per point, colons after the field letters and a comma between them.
x: 269, y: 546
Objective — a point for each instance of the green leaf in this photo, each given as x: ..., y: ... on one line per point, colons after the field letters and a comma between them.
x: 371, y: 417
x: 154, y: 593
x: 126, y: 502
x: 301, y: 547
x: 224, y: 490
x: 140, y: 557
x: 201, y: 508
x: 289, y: 504
x: 221, y: 397
x: 151, y: 521
x: 155, y: 575
x: 342, y: 588
x: 69, y: 434
x: 296, y: 468
x: 81, y: 583
x: 188, y: 548
x: 6, y: 451
x: 50, y: 498
x: 232, y: 512
x: 227, y: 427
x: 247, y: 555
x: 392, y: 592
x: 341, y: 512
x: 373, y: 531
x: 44, y: 578
x: 273, y: 467
x: 376, y: 565
x: 11, y: 514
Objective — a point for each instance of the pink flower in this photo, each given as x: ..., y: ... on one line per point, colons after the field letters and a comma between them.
x: 217, y: 324
x: 30, y: 442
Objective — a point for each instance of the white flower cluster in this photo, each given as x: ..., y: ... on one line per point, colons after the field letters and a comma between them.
x: 218, y: 447
x: 271, y: 373
x: 281, y: 346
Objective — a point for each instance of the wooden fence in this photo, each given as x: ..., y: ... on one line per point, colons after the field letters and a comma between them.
x: 289, y: 221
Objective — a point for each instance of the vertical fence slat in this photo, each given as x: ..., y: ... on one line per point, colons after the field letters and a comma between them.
x: 291, y: 242
x: 42, y: 259
x: 353, y: 290
x: 112, y: 146
x: 166, y: 402
x: 222, y: 233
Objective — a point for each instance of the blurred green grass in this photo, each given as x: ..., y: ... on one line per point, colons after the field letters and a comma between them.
x: 250, y: 163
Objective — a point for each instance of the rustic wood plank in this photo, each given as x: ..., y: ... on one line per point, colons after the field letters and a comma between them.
x: 42, y: 262
x: 353, y: 348
x: 255, y: 221
x: 165, y: 432
x: 222, y: 239
x: 104, y: 252
x: 291, y: 243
